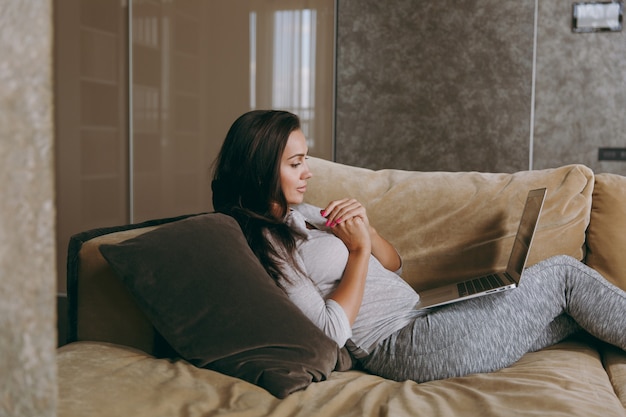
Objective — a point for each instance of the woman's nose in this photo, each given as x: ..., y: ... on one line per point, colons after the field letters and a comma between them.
x: 307, y: 172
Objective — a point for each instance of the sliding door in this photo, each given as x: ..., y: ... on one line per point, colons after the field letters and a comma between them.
x: 145, y: 91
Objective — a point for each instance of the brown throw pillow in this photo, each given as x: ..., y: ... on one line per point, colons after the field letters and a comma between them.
x: 203, y: 289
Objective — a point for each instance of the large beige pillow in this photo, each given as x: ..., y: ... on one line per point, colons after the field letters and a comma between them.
x: 448, y: 225
x: 606, y: 236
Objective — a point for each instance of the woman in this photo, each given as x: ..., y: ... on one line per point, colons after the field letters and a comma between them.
x: 340, y: 272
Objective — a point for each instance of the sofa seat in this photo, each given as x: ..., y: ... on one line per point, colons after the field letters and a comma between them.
x: 102, y: 379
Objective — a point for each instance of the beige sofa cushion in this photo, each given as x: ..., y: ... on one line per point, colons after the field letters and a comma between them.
x: 606, y: 237
x: 614, y: 361
x: 448, y: 225
x: 97, y: 379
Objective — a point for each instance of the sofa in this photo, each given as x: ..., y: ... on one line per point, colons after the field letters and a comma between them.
x: 174, y: 317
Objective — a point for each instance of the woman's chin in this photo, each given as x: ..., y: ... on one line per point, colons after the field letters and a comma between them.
x: 296, y: 200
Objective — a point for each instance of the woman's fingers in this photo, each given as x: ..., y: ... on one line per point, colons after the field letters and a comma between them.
x: 338, y: 211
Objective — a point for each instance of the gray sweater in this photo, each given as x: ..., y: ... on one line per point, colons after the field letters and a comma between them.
x: 388, y: 301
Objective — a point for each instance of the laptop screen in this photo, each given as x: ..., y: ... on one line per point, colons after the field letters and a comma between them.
x: 525, y: 233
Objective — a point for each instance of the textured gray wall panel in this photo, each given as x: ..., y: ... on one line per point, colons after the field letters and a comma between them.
x: 581, y: 92
x: 434, y: 85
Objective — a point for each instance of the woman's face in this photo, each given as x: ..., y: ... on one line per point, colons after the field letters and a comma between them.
x: 294, y: 170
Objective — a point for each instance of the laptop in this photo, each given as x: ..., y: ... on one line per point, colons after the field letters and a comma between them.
x: 499, y: 280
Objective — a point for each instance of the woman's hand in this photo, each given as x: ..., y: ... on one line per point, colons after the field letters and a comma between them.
x: 338, y: 212
x: 355, y: 234
x: 349, y: 292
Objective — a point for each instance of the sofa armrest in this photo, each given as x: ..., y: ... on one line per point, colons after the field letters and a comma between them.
x: 606, y: 239
x: 100, y: 308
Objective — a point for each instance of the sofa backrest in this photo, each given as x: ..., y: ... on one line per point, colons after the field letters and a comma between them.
x: 444, y: 225
x: 448, y: 225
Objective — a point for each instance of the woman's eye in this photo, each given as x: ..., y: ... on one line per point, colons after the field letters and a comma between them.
x: 296, y: 165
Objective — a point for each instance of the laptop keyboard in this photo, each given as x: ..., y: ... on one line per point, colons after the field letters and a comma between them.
x: 485, y: 283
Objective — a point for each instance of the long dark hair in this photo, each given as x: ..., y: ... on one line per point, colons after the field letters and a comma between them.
x: 246, y: 183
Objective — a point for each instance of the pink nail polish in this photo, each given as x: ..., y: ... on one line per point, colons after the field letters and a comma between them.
x: 323, y: 213
x: 328, y: 223
x: 338, y: 221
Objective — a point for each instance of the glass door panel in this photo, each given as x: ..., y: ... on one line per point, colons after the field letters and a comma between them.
x: 197, y: 65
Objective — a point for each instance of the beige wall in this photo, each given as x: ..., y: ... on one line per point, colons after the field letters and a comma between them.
x: 27, y: 246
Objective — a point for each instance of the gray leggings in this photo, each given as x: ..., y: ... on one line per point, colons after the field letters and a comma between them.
x: 556, y: 298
